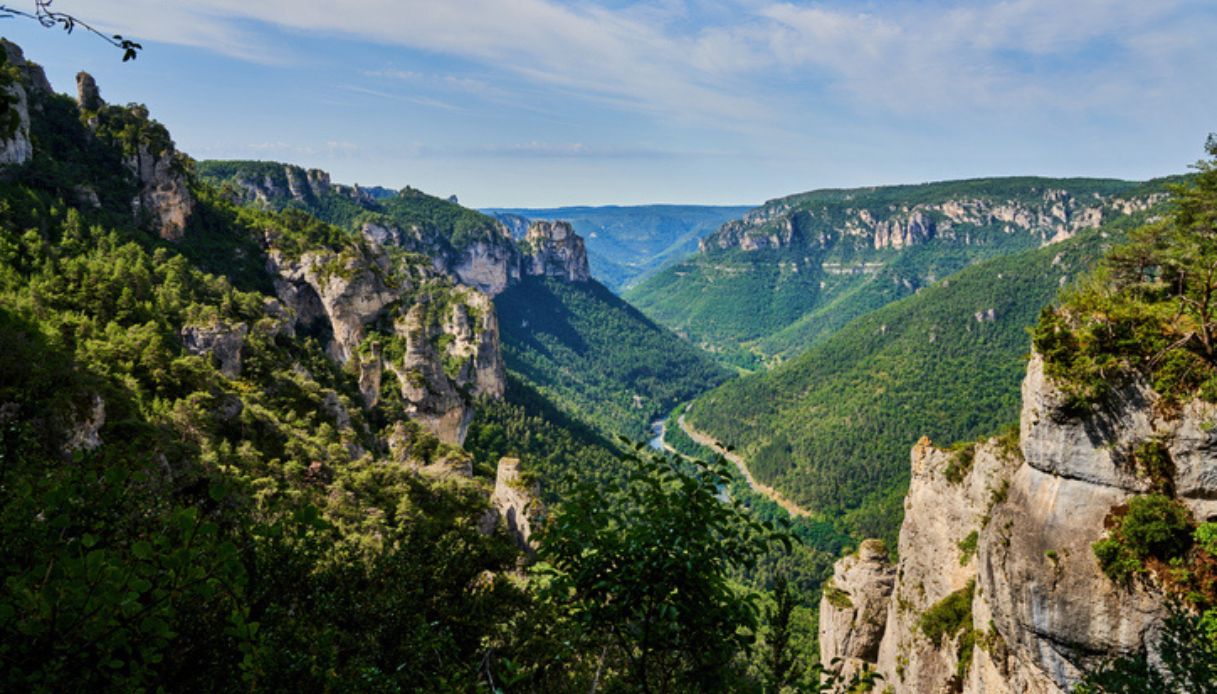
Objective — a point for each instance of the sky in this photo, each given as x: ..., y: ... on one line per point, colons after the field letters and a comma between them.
x: 536, y: 103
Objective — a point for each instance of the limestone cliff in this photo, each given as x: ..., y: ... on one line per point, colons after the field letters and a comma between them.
x: 1047, y: 215
x: 382, y: 313
x: 517, y: 500
x: 19, y: 79
x: 164, y: 199
x: 555, y: 250
x: 1007, y: 530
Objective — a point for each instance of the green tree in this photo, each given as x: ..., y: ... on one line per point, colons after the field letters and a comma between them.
x: 644, y: 572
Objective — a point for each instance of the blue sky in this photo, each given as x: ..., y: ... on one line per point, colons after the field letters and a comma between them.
x: 541, y: 103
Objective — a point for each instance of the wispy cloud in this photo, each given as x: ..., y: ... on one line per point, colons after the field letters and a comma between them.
x: 283, y: 150
x: 547, y: 150
x: 753, y: 60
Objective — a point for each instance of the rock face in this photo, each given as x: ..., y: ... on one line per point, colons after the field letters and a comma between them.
x: 556, y: 251
x: 164, y: 199
x: 164, y: 190
x: 442, y: 343
x: 854, y: 606
x: 290, y: 183
x: 490, y: 266
x: 224, y: 342
x: 518, y: 503
x: 1054, y: 215
x: 15, y: 145
x: 1018, y: 525
x: 87, y: 93
x: 440, y: 393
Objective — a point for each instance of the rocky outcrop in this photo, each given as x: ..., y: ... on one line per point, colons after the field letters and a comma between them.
x: 1050, y: 216
x: 164, y: 199
x: 1018, y: 526
x: 15, y: 144
x: 438, y: 380
x: 219, y: 340
x: 88, y: 96
x: 271, y: 189
x: 164, y: 193
x: 904, y: 230
x: 853, y: 608
x: 555, y: 250
x: 518, y: 503
x: 489, y: 266
x: 383, y: 315
x: 347, y: 289
x: 85, y: 434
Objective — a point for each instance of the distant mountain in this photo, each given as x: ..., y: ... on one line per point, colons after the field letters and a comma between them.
x: 831, y: 428
x: 628, y: 244
x: 793, y: 271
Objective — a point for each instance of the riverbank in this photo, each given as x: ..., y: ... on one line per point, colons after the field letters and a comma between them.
x: 760, y: 488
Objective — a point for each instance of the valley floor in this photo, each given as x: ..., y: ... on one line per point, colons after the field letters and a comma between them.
x: 758, y: 487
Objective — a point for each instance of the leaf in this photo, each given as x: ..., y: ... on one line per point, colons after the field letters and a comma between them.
x: 142, y: 550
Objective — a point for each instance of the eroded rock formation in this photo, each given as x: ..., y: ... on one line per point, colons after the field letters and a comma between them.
x: 1015, y: 526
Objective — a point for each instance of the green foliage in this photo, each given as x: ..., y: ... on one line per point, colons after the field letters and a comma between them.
x: 748, y: 305
x: 962, y: 458
x: 644, y: 573
x: 967, y: 547
x: 1206, y: 537
x: 831, y: 429
x: 597, y: 357
x: 1152, y: 526
x: 1148, y: 310
x: 1186, y: 662
x: 837, y: 597
x: 949, y: 616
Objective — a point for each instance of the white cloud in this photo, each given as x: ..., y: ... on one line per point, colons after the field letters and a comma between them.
x: 756, y: 61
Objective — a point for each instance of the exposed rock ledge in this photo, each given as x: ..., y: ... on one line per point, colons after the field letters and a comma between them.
x: 1020, y: 525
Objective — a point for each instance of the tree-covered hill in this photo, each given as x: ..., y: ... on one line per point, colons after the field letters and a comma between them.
x: 796, y: 269
x: 597, y: 357
x: 219, y: 470
x: 832, y: 427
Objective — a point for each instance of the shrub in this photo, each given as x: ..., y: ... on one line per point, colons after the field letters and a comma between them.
x: 948, y: 616
x: 1154, y: 526
x: 967, y: 547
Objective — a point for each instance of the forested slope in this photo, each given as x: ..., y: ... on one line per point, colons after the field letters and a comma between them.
x: 832, y: 427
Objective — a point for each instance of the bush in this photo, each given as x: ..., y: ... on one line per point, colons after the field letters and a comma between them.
x: 1154, y: 526
x: 1157, y: 526
x: 948, y: 616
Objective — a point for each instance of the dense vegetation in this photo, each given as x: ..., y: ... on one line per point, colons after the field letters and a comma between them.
x: 596, y: 357
x: 441, y: 223
x: 628, y: 244
x: 832, y: 427
x: 1147, y: 313
x: 750, y: 306
x: 167, y: 522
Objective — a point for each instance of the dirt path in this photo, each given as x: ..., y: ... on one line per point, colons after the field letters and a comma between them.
x: 763, y: 489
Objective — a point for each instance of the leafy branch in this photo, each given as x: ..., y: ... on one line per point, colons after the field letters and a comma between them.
x: 49, y: 18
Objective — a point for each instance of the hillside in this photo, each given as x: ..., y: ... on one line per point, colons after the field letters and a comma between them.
x: 244, y: 447
x: 829, y: 427
x: 627, y: 244
x: 596, y: 357
x: 798, y: 268
x: 1076, y: 553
